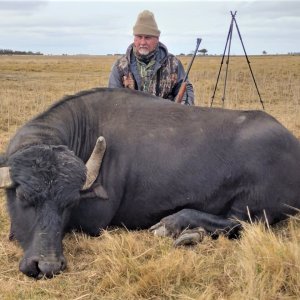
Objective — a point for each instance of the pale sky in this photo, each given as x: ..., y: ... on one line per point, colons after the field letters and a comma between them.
x: 105, y: 27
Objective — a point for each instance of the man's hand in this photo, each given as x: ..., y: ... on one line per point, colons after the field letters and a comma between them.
x: 128, y: 81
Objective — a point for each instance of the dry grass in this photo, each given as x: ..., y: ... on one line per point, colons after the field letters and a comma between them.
x: 263, y: 264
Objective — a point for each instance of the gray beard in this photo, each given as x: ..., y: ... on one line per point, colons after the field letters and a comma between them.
x: 144, y: 57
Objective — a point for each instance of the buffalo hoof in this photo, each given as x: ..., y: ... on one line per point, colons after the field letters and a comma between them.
x: 186, y: 237
x: 166, y: 228
x: 190, y: 237
x: 160, y: 229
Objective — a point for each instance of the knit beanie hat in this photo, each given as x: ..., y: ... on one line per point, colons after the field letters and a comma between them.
x: 146, y: 25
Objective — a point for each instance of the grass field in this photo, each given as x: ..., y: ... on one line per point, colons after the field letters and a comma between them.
x: 263, y: 264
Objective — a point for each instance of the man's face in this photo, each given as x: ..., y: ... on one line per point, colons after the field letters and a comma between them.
x: 145, y: 44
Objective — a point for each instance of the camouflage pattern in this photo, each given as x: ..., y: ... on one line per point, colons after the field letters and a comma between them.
x: 167, y: 77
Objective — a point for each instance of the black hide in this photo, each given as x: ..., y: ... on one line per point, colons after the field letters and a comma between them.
x: 189, y: 166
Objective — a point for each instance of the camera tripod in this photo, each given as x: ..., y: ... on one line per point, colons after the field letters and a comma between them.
x: 228, y: 42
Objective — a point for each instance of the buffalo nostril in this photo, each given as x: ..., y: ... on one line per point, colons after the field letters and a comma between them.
x: 37, y: 268
x: 29, y: 266
x: 52, y: 267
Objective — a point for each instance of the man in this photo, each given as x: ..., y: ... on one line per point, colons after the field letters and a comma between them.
x: 147, y: 66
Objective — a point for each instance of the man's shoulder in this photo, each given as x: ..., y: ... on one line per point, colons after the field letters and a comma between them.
x: 122, y: 62
x: 173, y: 57
x: 172, y: 60
x: 122, y: 58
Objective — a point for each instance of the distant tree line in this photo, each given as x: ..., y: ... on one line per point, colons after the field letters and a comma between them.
x: 12, y: 52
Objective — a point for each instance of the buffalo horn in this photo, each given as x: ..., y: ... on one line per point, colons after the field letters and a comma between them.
x: 94, y: 163
x: 5, y: 179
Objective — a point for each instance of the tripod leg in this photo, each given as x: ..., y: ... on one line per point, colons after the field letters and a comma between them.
x: 227, y: 63
x: 228, y: 36
x: 236, y: 25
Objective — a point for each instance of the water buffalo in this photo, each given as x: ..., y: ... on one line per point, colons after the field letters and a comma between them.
x: 166, y: 166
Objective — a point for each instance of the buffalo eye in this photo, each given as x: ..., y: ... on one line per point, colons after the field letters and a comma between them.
x: 24, y: 197
x: 71, y: 200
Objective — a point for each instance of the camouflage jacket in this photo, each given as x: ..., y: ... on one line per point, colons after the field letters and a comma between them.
x: 165, y: 81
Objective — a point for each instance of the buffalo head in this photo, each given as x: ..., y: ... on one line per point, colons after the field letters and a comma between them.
x: 43, y: 182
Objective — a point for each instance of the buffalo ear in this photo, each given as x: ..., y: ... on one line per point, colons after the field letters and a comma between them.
x: 100, y: 192
x: 5, y: 179
x: 96, y: 191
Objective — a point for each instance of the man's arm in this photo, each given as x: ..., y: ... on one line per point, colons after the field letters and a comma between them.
x: 115, y: 80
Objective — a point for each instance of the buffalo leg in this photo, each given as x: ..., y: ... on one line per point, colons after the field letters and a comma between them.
x: 186, y: 220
